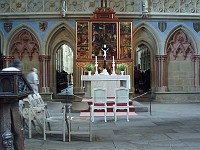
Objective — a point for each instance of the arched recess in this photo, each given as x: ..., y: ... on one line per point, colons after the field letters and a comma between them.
x: 59, y: 35
x: 145, y: 34
x: 17, y: 30
x: 190, y: 34
x: 182, y: 70
x: 24, y: 44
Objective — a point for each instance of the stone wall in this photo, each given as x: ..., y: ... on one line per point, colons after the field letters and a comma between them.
x: 172, y: 97
x: 180, y: 74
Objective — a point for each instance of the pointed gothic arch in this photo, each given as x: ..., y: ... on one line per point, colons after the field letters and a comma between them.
x: 24, y: 43
x: 151, y: 36
x: 31, y: 35
x: 145, y: 34
x: 181, y: 39
x: 61, y: 34
x: 181, y: 49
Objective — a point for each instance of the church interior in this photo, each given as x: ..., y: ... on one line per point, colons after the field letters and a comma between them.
x: 159, y: 38
x: 128, y: 69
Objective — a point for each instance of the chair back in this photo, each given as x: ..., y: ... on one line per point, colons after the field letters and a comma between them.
x: 99, y: 95
x: 32, y: 101
x: 121, y: 95
x: 38, y: 98
x: 55, y: 108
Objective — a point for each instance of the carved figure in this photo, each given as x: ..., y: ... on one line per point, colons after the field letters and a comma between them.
x: 104, y: 49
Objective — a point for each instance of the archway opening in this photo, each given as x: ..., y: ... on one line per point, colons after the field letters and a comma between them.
x: 64, y: 70
x: 142, y: 79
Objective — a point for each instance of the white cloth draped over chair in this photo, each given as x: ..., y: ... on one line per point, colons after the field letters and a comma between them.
x: 121, y: 101
x: 99, y: 101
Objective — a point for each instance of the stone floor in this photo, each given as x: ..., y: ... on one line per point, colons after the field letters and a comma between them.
x: 169, y: 127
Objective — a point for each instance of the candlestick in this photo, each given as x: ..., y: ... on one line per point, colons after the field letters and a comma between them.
x: 96, y: 59
x: 113, y: 65
x: 96, y: 65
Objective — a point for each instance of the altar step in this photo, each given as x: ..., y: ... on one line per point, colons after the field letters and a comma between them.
x: 110, y: 103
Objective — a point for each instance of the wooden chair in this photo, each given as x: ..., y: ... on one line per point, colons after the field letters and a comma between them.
x: 121, y: 101
x: 99, y: 101
x: 77, y: 120
x: 55, y: 112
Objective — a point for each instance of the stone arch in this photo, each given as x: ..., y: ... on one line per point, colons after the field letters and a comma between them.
x: 181, y: 39
x: 149, y: 34
x: 60, y: 32
x: 145, y: 34
x: 32, y: 33
x: 181, y: 46
x: 25, y: 44
x: 59, y: 35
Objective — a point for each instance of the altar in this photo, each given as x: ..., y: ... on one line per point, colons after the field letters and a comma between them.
x: 104, y: 81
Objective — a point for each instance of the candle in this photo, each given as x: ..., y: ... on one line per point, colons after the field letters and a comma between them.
x: 96, y: 59
x: 113, y: 59
x: 104, y: 46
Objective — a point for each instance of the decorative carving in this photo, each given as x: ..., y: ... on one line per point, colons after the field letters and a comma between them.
x: 52, y: 6
x: 74, y: 5
x: 43, y: 26
x: 7, y: 140
x: 81, y: 64
x: 90, y: 6
x: 196, y: 58
x: 160, y: 58
x: 196, y: 26
x: 5, y: 6
x: 179, y: 42
x: 162, y: 26
x: 19, y: 6
x: 177, y: 6
x: 117, y: 5
x: 44, y: 57
x: 104, y: 13
x: 35, y: 6
x: 131, y: 6
x: 156, y: 6
x: 24, y: 43
x: 7, y: 26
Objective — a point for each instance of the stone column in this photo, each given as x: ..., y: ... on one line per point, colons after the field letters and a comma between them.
x: 196, y: 72
x: 161, y: 75
x: 44, y: 71
x: 7, y: 60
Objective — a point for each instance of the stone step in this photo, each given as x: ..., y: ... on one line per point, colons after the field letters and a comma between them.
x: 140, y: 107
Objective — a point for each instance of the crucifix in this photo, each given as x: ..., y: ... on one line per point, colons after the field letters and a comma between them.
x: 104, y: 49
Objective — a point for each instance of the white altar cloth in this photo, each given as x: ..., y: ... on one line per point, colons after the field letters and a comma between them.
x: 105, y: 81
